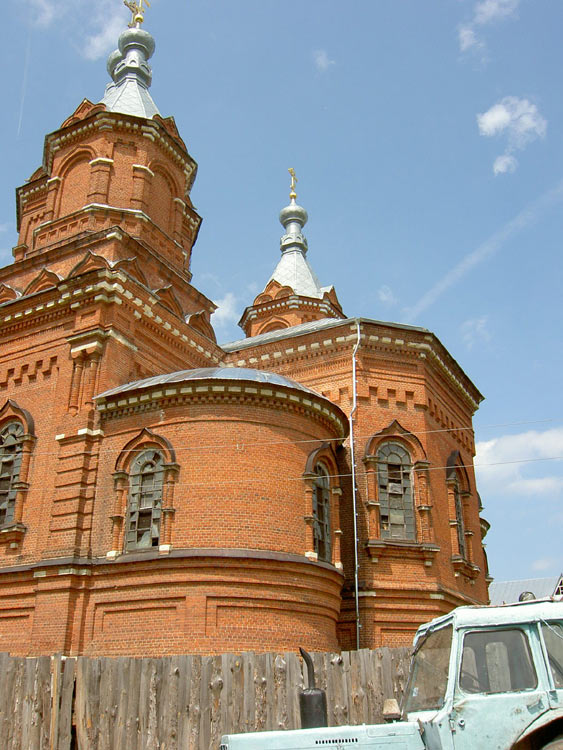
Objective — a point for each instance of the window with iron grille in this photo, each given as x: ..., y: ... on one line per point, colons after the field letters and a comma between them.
x: 321, y: 514
x: 146, y: 478
x: 395, y: 492
x: 10, y: 462
x: 459, y: 521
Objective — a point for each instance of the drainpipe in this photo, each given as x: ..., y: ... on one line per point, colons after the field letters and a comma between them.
x: 354, y: 488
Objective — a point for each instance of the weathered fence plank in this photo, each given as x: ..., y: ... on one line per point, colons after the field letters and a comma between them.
x: 66, y: 696
x: 183, y: 702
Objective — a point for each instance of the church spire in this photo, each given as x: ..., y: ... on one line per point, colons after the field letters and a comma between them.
x: 129, y: 69
x: 293, y: 218
x: 293, y: 294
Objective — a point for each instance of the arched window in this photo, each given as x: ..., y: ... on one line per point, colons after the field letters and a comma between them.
x: 321, y: 513
x: 144, y: 509
x: 459, y: 519
x: 396, y: 506
x: 11, y: 449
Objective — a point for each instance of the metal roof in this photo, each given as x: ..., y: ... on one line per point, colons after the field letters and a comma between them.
x: 295, y: 271
x: 211, y: 373
x: 507, y: 592
x: 131, y: 74
x: 304, y: 328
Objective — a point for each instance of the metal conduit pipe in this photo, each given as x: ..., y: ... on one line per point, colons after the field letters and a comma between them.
x: 354, y: 488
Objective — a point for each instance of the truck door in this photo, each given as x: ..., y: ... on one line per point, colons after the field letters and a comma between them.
x: 498, y: 693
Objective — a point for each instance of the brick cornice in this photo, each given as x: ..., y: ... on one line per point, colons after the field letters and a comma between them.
x: 229, y: 392
x: 104, y: 286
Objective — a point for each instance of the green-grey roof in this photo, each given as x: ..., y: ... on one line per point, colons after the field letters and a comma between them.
x: 210, y: 373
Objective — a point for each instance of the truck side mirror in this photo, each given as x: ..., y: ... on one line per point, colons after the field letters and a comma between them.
x: 391, y: 711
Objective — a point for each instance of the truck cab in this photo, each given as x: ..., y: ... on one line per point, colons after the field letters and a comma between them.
x: 480, y: 677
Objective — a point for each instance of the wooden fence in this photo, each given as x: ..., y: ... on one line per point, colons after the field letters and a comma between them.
x: 182, y: 702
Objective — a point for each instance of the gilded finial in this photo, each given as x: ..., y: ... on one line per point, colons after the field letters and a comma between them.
x: 137, y: 10
x: 293, y: 194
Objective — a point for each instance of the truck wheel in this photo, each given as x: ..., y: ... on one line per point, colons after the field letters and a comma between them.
x: 556, y: 744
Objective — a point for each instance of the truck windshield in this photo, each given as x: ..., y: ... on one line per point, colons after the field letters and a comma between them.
x: 429, y: 672
x: 553, y: 637
x: 496, y: 661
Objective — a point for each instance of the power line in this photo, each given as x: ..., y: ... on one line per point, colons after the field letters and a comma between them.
x: 270, y: 476
x: 246, y: 445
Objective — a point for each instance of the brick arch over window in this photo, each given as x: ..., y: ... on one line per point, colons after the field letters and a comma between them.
x: 322, y: 506
x: 163, y: 192
x: 459, y: 498
x: 399, y: 500
x: 277, y: 324
x: 75, y: 175
x: 144, y: 479
x: 17, y: 438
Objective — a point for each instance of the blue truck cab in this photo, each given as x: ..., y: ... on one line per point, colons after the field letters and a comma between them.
x: 480, y: 677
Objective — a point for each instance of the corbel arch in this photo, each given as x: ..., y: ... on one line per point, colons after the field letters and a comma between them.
x: 11, y: 410
x: 396, y: 432
x: 145, y: 439
x: 8, y: 293
x: 455, y: 468
x: 45, y: 279
x: 322, y: 506
x: 163, y: 190
x: 89, y: 262
x: 276, y: 324
x: 144, y: 478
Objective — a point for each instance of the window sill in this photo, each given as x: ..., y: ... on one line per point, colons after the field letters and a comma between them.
x: 404, y: 548
x: 464, y: 567
x: 12, y: 534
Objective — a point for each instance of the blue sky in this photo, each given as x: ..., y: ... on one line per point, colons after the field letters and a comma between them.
x: 427, y: 139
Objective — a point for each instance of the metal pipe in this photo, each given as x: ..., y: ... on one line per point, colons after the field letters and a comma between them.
x: 354, y: 488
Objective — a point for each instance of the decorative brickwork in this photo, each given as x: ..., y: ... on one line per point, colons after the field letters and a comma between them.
x: 161, y: 494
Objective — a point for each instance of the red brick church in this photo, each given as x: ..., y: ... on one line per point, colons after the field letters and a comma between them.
x: 310, y: 484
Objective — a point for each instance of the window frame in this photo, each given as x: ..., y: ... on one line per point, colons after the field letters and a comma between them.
x: 136, y: 505
x: 322, y: 532
x: 14, y: 478
x: 386, y: 498
x: 491, y: 631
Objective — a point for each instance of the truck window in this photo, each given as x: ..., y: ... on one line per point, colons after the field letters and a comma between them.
x: 429, y: 671
x: 553, y: 637
x: 496, y: 661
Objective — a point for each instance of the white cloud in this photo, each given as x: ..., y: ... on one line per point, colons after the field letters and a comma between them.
x: 502, y: 464
x: 519, y: 117
x: 468, y: 38
x: 322, y: 61
x: 520, y: 120
x: 495, y: 242
x: 475, y: 331
x: 105, y: 40
x: 504, y: 163
x: 227, y: 311
x: 42, y: 12
x: 385, y: 295
x: 487, y: 11
x: 108, y: 18
x: 484, y: 13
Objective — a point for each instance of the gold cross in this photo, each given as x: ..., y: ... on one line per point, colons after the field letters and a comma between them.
x: 294, y: 181
x: 137, y: 10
